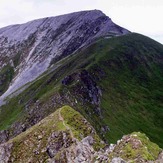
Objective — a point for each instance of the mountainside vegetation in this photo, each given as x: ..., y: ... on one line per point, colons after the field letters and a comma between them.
x: 66, y: 136
x: 115, y: 83
x: 6, y: 75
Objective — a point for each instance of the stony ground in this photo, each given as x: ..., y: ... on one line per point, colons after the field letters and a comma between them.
x: 65, y: 136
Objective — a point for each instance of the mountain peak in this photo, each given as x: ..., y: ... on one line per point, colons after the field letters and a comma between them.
x: 38, y: 42
x: 83, y: 12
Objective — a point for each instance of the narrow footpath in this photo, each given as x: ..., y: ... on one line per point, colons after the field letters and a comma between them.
x: 67, y: 127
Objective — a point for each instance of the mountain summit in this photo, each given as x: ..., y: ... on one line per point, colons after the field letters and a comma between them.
x: 30, y: 48
x: 72, y: 86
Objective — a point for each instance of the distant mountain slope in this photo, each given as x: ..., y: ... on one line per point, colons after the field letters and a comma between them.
x: 116, y: 84
x: 27, y: 50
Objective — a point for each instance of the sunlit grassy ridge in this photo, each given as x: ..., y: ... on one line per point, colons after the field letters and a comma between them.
x: 32, y: 144
x: 129, y: 71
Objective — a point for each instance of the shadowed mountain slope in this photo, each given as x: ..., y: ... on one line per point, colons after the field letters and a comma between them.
x: 66, y: 136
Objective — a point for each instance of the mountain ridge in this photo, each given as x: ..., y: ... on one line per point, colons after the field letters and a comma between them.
x: 81, y: 81
x: 66, y: 136
x: 42, y: 40
x: 113, y: 80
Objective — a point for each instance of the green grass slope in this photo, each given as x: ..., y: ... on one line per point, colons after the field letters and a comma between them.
x: 6, y: 75
x: 129, y: 72
x: 64, y: 136
x: 49, y: 137
x: 132, y: 85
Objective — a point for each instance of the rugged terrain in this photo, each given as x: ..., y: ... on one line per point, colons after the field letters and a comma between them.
x: 112, y: 78
x: 66, y: 136
x: 27, y: 50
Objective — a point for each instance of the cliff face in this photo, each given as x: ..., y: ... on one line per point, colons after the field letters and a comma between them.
x: 30, y: 48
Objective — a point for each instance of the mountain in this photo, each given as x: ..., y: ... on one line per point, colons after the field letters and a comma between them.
x: 27, y: 50
x: 112, y: 78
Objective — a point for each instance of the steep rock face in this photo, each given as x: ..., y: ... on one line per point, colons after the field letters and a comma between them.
x: 85, y: 86
x: 30, y: 48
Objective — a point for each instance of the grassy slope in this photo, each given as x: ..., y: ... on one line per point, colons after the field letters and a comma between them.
x: 32, y: 145
x: 132, y: 96
x: 6, y: 75
x: 26, y: 143
x: 128, y: 69
x: 37, y: 137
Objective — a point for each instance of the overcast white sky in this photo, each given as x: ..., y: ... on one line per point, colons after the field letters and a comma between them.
x: 142, y: 16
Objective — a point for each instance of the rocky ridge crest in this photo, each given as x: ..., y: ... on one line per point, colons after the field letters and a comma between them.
x: 58, y: 139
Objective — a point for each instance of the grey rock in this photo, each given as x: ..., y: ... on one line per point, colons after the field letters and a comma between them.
x: 4, y: 134
x: 57, y: 141
x: 88, y: 140
x: 159, y: 159
x: 44, y: 41
x: 117, y: 160
x: 5, y: 151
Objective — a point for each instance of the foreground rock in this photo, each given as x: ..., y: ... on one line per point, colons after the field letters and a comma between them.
x: 65, y: 136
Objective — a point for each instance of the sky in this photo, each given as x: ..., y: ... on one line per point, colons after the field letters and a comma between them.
x: 141, y: 16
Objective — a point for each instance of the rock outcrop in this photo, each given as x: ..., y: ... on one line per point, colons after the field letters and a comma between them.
x: 66, y: 136
x: 86, y: 88
x: 55, y: 138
